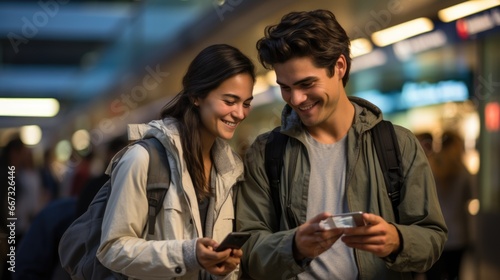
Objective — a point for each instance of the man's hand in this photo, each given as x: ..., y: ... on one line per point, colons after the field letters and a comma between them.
x: 311, y: 240
x: 377, y: 237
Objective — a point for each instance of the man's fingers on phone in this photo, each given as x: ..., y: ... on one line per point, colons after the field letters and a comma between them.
x: 318, y: 218
x: 372, y: 219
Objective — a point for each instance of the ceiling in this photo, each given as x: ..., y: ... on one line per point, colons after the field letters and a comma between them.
x: 109, y: 63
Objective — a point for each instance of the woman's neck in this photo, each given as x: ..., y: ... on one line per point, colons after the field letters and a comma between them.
x: 207, y: 141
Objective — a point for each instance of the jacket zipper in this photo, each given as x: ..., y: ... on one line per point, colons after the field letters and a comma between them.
x: 217, y: 210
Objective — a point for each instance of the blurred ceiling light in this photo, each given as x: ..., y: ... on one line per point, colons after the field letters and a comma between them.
x: 474, y: 207
x: 471, y: 161
x: 360, y: 47
x: 466, y: 8
x: 271, y: 78
x: 370, y: 60
x: 30, y: 134
x: 261, y: 85
x: 80, y: 139
x: 29, y: 107
x: 63, y: 150
x: 402, y: 31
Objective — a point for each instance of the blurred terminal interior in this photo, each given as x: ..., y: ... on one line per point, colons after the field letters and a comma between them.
x: 82, y: 70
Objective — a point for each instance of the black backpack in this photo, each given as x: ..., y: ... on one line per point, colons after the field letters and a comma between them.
x: 78, y: 246
x: 388, y: 153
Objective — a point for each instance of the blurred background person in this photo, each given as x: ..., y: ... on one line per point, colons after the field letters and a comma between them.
x: 455, y: 187
x: 426, y: 141
x: 50, y: 181
x: 95, y: 182
x: 25, y: 193
x: 37, y: 255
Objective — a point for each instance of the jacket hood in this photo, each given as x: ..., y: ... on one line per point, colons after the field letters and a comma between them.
x: 166, y: 130
x: 367, y: 115
x: 158, y: 129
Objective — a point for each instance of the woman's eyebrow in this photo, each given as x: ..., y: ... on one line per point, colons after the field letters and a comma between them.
x: 230, y: 95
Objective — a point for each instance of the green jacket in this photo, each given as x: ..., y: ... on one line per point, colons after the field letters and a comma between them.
x: 268, y: 254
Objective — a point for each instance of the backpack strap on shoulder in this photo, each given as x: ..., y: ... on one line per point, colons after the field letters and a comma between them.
x: 274, y: 153
x: 389, y: 156
x: 158, y: 178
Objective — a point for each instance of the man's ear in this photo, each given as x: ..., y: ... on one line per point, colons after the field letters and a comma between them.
x: 340, y: 66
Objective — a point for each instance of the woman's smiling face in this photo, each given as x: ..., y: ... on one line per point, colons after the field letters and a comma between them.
x: 226, y: 106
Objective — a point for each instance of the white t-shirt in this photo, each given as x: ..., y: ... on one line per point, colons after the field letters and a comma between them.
x: 327, y: 193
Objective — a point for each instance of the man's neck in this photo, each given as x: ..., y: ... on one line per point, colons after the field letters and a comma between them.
x: 337, y: 126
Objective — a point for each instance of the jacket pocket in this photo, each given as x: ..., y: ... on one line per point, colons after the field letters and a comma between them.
x: 223, y: 225
x: 174, y: 220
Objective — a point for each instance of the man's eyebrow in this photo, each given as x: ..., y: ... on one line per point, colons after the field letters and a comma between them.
x: 306, y: 79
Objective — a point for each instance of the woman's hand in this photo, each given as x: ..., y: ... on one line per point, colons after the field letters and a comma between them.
x: 233, y: 261
x: 216, y: 263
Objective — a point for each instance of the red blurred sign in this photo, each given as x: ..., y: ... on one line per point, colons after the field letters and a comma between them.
x: 492, y: 116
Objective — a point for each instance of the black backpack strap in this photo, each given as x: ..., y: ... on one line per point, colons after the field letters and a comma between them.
x: 158, y: 178
x: 274, y: 153
x: 389, y: 156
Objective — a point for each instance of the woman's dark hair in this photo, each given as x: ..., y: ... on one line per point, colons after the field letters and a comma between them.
x: 315, y: 34
x: 208, y: 70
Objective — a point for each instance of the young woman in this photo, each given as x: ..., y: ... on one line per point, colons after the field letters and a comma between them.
x: 198, y: 207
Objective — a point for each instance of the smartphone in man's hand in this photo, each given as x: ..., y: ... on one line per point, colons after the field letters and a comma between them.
x: 346, y: 220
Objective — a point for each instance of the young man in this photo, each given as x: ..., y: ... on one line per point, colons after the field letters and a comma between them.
x: 335, y: 170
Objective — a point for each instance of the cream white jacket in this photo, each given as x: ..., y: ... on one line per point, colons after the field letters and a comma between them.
x: 125, y: 245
